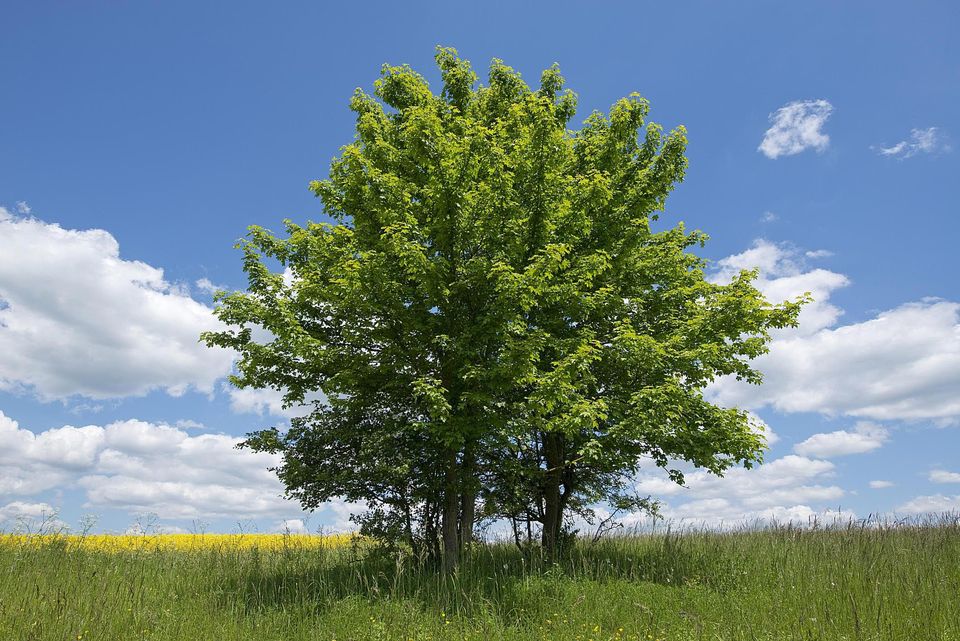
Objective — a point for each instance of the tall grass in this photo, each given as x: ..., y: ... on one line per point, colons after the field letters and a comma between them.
x: 859, y: 582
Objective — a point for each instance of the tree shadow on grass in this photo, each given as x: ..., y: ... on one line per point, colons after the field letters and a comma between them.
x: 496, y: 578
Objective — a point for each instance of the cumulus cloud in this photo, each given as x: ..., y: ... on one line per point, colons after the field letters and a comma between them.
x: 760, y: 426
x: 208, y: 287
x: 921, y: 141
x: 903, y: 364
x: 268, y: 402
x: 143, y: 467
x: 943, y: 476
x: 255, y: 401
x: 785, y: 486
x: 782, y: 277
x: 25, y: 458
x: 880, y: 485
x: 721, y: 513
x: 865, y: 437
x: 76, y: 319
x: 796, y: 127
x: 20, y: 510
x: 23, y: 207
x: 179, y: 499
x: 291, y: 526
x: 931, y: 504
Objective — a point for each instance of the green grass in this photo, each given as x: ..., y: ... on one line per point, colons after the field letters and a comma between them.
x: 860, y: 583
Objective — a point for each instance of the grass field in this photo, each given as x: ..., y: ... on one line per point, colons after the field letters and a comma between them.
x: 857, y: 583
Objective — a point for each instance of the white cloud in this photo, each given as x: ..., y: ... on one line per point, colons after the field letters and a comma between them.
x: 336, y: 514
x: 880, y: 485
x: 291, y: 526
x: 865, y: 437
x: 790, y: 473
x: 76, y: 319
x: 207, y: 286
x: 921, y: 141
x: 761, y: 427
x: 25, y: 458
x: 818, y: 253
x: 267, y: 401
x: 178, y: 499
x: 86, y: 408
x: 780, y: 490
x: 931, y: 504
x: 904, y: 364
x: 187, y: 424
x: 255, y: 401
x: 720, y: 513
x: 768, y: 217
x: 19, y: 510
x: 23, y: 207
x: 796, y: 127
x: 943, y: 476
x: 148, y: 528
x: 35, y: 518
x: 657, y: 486
x: 143, y: 467
x: 782, y: 278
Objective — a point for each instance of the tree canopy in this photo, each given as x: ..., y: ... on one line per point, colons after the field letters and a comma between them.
x: 501, y: 327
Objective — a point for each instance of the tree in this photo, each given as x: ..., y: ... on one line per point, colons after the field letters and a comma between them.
x: 493, y: 314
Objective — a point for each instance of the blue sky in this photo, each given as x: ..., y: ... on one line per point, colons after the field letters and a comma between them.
x: 138, y: 140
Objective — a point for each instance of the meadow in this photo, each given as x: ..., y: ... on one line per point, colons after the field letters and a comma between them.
x: 858, y: 582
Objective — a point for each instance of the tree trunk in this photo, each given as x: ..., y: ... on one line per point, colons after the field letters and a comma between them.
x: 468, y: 498
x: 431, y: 546
x: 552, y: 514
x: 408, y: 526
x: 516, y: 533
x: 468, y: 504
x: 451, y: 510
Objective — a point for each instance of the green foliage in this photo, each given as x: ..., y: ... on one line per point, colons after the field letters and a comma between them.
x: 495, y: 313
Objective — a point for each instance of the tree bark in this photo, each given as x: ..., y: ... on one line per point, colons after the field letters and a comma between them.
x: 516, y: 533
x: 431, y: 542
x: 468, y: 505
x: 408, y: 526
x: 451, y: 510
x: 553, y: 508
x: 468, y: 498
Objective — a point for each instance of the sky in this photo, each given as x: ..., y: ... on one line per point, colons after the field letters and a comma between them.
x: 139, y: 140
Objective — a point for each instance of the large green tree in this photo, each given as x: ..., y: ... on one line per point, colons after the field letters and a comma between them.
x: 496, y: 317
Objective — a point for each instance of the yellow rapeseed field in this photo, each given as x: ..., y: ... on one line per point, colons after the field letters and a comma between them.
x: 180, y: 542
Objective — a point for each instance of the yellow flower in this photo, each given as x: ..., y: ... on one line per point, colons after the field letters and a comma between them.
x: 114, y: 543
